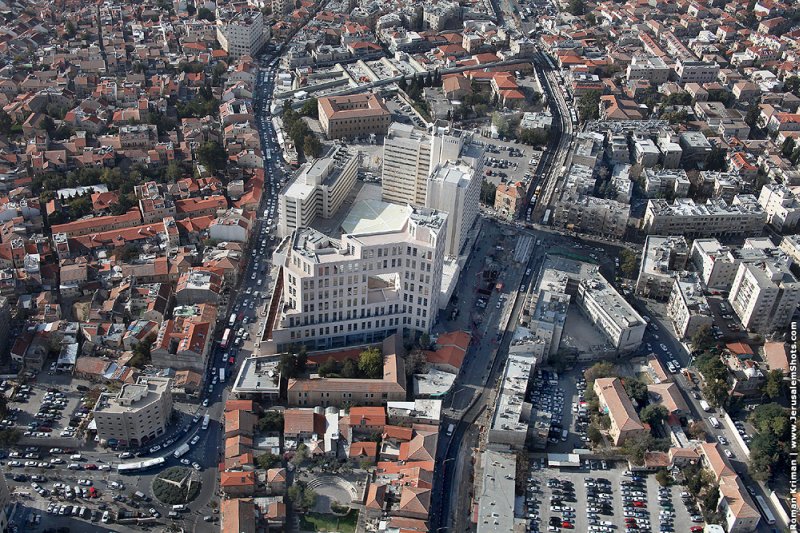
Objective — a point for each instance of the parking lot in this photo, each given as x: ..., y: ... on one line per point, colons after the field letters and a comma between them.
x: 44, y: 411
x: 603, y: 500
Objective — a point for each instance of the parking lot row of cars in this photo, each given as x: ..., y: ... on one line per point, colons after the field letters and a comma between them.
x: 548, y: 396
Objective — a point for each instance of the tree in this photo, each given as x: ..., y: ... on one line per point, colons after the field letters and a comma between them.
x: 141, y: 352
x: 702, y: 338
x: 206, y: 14
x: 271, y: 421
x: 696, y: 430
x: 416, y: 362
x: 716, y: 391
x: 310, y: 108
x: 329, y: 367
x: 69, y: 29
x: 488, y: 192
x: 6, y: 123
x: 628, y: 263
x: 287, y: 366
x: 212, y: 156
x: 588, y: 105
x: 267, y: 461
x: 601, y: 369
x: 48, y: 124
x: 773, y: 385
x: 370, y: 363
x: 309, y: 498
x: 402, y: 84
x: 295, y: 494
x: 710, y: 497
x: 792, y: 84
x: 301, y: 358
x: 595, y: 435
x: 300, y: 455
x: 349, y: 369
x: 636, y: 446
x: 9, y: 437
x: 654, y: 414
x: 311, y: 146
x: 662, y: 476
x: 591, y: 19
x: 788, y: 147
x: 636, y: 390
x: 751, y: 118
x: 576, y: 7
x: 533, y: 137
x: 716, y: 159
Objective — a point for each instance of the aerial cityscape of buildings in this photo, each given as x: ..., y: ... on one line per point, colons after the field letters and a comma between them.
x: 390, y: 267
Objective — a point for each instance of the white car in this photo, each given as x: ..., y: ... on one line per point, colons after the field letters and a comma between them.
x: 197, y: 466
x: 155, y: 448
x: 728, y: 453
x: 185, y: 462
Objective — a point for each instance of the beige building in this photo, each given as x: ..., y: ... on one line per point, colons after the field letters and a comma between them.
x: 781, y: 205
x: 743, y: 217
x: 341, y: 392
x: 765, y: 295
x: 406, y: 164
x: 455, y: 188
x: 241, y: 33
x: 588, y: 214
x: 614, y: 402
x: 355, y: 115
x: 663, y: 258
x: 318, y: 190
x: 382, y: 274
x: 508, y: 199
x: 610, y: 313
x: 137, y: 414
x: 409, y: 157
x: 687, y: 306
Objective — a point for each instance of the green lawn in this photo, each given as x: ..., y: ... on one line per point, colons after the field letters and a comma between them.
x: 329, y: 522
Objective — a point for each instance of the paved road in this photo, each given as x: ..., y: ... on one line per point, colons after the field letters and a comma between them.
x: 479, y: 375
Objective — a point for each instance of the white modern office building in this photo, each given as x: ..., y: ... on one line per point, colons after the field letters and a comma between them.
x: 410, y: 155
x: 318, y: 190
x: 455, y: 188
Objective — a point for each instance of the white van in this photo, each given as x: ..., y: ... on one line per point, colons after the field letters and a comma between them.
x: 76, y: 457
x: 450, y: 429
x: 74, y: 466
x: 179, y: 507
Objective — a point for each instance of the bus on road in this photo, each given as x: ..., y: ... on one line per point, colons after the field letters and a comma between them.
x: 546, y: 217
x: 768, y: 516
x: 226, y: 337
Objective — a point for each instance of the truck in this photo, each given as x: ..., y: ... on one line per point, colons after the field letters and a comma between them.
x: 222, y: 375
x: 180, y: 451
x: 232, y: 320
x: 704, y: 405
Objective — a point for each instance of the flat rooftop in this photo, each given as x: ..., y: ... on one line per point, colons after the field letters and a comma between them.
x: 496, y: 498
x: 258, y: 375
x: 374, y: 216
